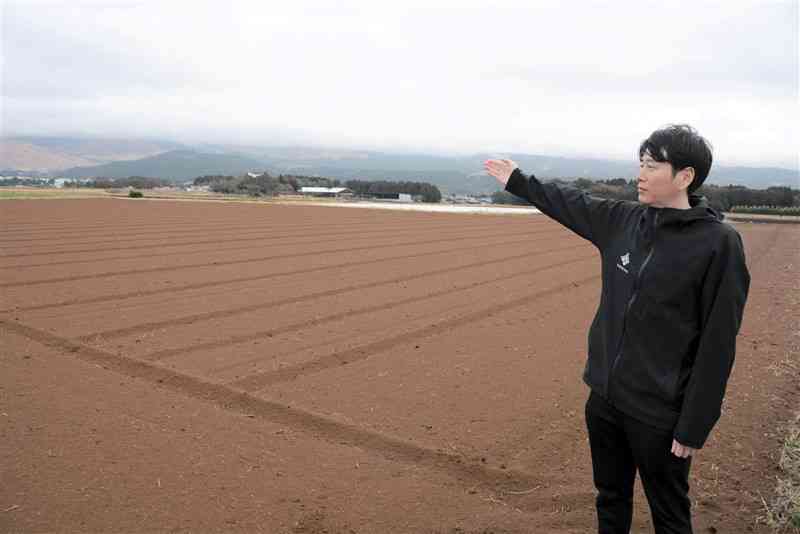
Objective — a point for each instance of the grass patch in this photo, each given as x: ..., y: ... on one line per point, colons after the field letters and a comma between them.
x: 783, y: 512
x: 767, y: 210
x: 20, y: 193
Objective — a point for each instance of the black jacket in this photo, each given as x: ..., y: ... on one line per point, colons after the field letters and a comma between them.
x: 662, y: 344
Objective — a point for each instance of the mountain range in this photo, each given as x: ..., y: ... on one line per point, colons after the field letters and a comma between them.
x: 118, y: 158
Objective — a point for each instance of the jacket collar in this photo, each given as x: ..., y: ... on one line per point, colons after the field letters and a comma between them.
x: 698, y: 210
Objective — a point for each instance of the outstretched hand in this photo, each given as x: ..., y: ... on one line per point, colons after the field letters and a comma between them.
x: 500, y: 169
x: 681, y: 451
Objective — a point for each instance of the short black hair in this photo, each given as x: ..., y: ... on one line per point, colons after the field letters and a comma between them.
x: 681, y: 146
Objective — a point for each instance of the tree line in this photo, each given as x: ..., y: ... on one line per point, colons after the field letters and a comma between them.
x: 427, y: 192
x: 136, y: 182
x: 721, y: 198
x: 27, y: 182
x: 268, y: 185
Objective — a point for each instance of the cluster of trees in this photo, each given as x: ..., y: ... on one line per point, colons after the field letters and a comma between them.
x: 210, y: 179
x: 26, y: 182
x: 137, y: 182
x: 312, y: 181
x: 265, y: 184
x: 726, y: 197
x: 721, y: 198
x: 427, y: 192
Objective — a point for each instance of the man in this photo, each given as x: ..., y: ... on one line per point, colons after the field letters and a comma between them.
x: 662, y: 344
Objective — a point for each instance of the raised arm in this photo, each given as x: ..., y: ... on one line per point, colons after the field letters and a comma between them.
x: 590, y: 217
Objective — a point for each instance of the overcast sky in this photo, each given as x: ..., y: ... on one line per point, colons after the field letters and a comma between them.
x: 557, y: 78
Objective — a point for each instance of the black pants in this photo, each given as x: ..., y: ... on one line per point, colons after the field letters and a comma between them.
x: 620, y: 445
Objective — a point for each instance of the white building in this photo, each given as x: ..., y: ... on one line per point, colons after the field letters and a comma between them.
x: 326, y: 191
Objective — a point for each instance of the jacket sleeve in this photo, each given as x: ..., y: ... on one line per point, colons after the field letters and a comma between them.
x: 723, y: 297
x: 590, y: 217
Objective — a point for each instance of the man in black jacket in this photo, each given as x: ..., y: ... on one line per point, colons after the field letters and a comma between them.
x: 662, y: 344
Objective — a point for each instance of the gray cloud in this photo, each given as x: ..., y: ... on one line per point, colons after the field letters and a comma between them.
x: 586, y: 78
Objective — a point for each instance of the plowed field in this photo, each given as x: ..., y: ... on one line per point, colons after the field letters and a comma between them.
x: 200, y: 366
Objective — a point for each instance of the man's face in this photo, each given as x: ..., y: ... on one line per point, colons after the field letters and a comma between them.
x: 657, y: 185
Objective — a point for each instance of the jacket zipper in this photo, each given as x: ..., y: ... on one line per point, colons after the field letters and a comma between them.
x: 631, y: 301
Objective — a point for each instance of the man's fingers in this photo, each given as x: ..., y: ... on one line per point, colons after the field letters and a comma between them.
x: 681, y: 451
x: 499, y: 167
x: 494, y: 167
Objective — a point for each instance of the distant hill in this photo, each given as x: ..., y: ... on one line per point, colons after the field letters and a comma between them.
x: 27, y: 156
x: 755, y: 177
x: 464, y: 174
x: 176, y: 165
x: 452, y: 174
x: 58, y: 153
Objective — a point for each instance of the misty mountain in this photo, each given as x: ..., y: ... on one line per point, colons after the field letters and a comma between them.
x: 464, y: 174
x: 101, y: 148
x: 452, y: 174
x: 57, y: 153
x: 176, y: 165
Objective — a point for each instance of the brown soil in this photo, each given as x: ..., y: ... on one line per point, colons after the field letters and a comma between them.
x: 178, y: 366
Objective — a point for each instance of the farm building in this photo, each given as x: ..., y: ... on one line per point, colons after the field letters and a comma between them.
x: 397, y: 197
x: 326, y: 191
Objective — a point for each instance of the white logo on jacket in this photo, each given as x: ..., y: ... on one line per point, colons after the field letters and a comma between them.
x: 625, y: 259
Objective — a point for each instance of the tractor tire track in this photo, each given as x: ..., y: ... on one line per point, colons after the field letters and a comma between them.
x: 356, y: 354
x: 189, y: 319
x: 231, y: 281
x: 136, y: 255
x: 268, y: 237
x: 168, y: 231
x: 188, y: 222
x: 169, y: 268
x: 227, y: 233
x: 234, y: 340
x: 466, y: 471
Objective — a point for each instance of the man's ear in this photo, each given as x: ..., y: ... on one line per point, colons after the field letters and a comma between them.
x: 684, y: 178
